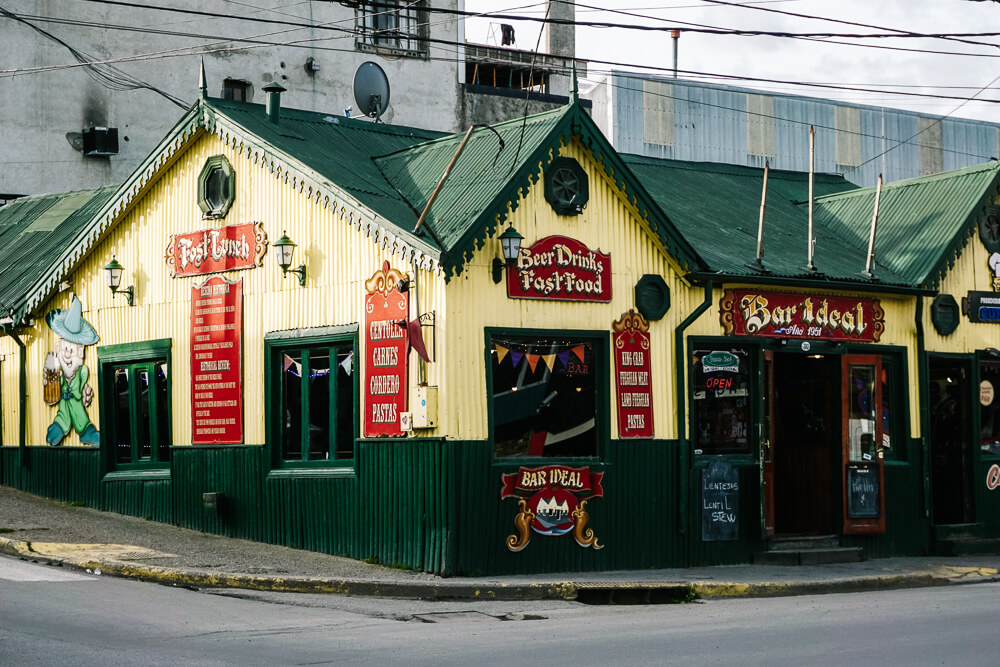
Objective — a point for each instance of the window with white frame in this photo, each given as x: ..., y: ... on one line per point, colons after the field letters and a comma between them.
x: 398, y: 26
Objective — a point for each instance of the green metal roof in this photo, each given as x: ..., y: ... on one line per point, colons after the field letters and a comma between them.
x: 923, y: 222
x: 485, y: 180
x: 34, y: 231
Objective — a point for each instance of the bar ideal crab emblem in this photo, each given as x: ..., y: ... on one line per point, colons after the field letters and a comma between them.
x: 550, y: 503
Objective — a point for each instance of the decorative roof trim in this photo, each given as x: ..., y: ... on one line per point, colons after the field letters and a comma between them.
x: 574, y: 122
x: 213, y: 121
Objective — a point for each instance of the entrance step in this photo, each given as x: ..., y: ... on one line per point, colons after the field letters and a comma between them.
x: 967, y: 546
x: 960, y: 531
x: 807, y: 550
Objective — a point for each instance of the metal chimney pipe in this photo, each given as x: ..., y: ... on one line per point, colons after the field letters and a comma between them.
x: 676, y: 36
x: 274, y: 92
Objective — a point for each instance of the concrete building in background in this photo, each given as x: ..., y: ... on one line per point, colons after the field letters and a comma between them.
x: 89, y: 87
x: 686, y: 120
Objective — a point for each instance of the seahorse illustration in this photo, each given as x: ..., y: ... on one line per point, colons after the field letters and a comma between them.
x: 522, y: 522
x: 584, y: 536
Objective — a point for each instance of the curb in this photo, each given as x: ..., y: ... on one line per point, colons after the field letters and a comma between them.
x: 621, y: 593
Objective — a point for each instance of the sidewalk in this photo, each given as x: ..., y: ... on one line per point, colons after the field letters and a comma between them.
x: 112, y: 544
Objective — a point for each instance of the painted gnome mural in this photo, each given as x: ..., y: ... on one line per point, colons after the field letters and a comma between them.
x: 66, y: 376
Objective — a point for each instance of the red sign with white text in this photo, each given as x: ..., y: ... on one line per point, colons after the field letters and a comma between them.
x: 215, y: 250
x: 791, y: 315
x: 216, y: 362
x: 386, y: 312
x: 632, y: 376
x: 560, y: 269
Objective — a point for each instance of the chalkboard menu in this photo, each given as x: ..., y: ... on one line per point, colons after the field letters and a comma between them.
x: 720, y: 502
x: 862, y: 492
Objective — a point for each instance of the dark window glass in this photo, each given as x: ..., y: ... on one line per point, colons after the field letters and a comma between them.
x: 317, y: 402
x: 217, y: 188
x: 543, y: 396
x: 139, y: 409
x: 721, y: 405
x: 989, y: 407
x: 123, y: 420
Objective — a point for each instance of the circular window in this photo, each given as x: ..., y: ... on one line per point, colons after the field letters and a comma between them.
x: 566, y: 186
x: 216, y: 187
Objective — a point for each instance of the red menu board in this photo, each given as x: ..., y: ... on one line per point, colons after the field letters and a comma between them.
x: 216, y: 356
x: 215, y: 250
x: 632, y: 376
x: 791, y: 315
x: 560, y: 269
x: 386, y: 312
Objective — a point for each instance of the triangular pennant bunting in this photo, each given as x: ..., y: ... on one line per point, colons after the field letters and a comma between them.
x: 532, y: 361
x: 578, y: 351
x: 515, y: 357
x: 550, y: 361
x: 501, y: 352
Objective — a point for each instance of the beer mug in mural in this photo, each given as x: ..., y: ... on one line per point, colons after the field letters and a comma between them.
x: 51, y: 374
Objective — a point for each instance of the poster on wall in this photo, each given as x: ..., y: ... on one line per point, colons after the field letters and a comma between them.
x: 559, y: 268
x: 208, y: 251
x: 552, y: 501
x: 216, y: 362
x: 791, y: 315
x: 632, y: 376
x: 386, y: 314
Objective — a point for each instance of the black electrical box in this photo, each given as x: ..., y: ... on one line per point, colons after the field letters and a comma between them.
x: 100, y: 141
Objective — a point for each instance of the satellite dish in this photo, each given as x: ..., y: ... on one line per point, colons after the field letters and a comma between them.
x: 371, y: 90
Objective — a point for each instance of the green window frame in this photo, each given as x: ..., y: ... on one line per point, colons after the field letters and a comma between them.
x: 134, y: 382
x: 546, y: 413
x: 311, y: 421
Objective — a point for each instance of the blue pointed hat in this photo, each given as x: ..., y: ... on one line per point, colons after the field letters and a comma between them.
x: 70, y: 325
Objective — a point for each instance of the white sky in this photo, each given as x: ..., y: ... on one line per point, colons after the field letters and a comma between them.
x: 794, y: 59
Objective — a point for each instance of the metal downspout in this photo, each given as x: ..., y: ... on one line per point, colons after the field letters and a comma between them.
x: 680, y: 363
x: 923, y: 376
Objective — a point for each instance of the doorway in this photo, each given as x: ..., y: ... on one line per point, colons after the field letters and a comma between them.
x: 805, y: 443
x: 951, y: 440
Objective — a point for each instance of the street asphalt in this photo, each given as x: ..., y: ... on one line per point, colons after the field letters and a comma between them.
x: 60, y: 534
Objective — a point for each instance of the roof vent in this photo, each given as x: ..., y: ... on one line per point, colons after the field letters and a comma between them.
x: 100, y: 141
x: 274, y: 92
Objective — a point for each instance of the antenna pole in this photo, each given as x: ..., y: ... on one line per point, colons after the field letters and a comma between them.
x: 812, y: 169
x: 444, y: 177
x: 870, y: 258
x: 763, y: 207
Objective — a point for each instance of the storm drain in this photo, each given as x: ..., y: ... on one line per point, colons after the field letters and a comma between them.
x: 624, y: 594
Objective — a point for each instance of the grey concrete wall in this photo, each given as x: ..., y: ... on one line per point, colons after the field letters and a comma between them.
x: 47, y: 100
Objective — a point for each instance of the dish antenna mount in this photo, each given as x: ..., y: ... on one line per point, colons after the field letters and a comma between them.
x: 371, y: 90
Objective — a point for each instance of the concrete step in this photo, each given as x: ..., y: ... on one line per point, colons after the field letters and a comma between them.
x: 810, y: 556
x: 967, y: 546
x: 802, y: 542
x: 960, y: 531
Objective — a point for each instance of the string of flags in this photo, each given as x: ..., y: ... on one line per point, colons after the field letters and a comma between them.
x: 533, y: 359
x: 287, y: 362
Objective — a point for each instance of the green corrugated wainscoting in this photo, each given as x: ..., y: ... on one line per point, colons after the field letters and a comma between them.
x: 145, y: 498
x: 45, y: 471
x: 636, y: 521
x: 237, y: 472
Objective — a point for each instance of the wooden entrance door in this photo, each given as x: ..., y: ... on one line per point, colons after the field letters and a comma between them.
x: 951, y: 441
x: 863, y: 474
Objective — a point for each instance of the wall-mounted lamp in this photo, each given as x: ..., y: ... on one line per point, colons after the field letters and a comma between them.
x: 510, y: 243
x: 403, y: 285
x: 285, y: 248
x: 115, y: 272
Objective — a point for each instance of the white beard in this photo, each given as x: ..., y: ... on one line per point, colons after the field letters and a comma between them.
x: 69, y: 368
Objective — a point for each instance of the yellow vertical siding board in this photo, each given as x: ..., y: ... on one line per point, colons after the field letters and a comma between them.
x: 971, y: 272
x: 608, y: 223
x: 338, y: 257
